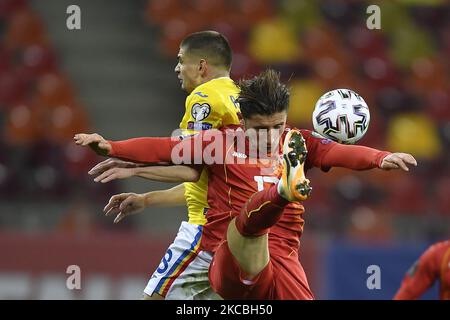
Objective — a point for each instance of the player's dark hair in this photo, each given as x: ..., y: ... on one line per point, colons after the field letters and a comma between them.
x: 211, y: 45
x: 263, y: 94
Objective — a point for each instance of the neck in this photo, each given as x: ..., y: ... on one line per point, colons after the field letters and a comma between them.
x: 216, y: 74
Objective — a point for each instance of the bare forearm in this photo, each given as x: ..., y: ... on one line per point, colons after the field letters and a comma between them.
x: 167, y: 174
x: 166, y: 198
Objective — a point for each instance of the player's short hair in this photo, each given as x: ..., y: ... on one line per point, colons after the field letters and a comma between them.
x: 211, y: 45
x: 264, y: 94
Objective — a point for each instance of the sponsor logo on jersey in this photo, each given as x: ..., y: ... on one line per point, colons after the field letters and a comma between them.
x: 201, y: 94
x: 198, y: 126
x: 200, y: 111
x: 239, y: 155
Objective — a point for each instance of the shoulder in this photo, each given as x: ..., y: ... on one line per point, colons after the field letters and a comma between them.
x: 208, y: 90
x: 434, y: 254
x: 439, y: 249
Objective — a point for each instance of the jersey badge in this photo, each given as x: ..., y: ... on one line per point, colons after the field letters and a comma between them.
x: 200, y: 111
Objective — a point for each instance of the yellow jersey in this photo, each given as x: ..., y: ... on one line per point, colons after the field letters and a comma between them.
x: 212, y: 104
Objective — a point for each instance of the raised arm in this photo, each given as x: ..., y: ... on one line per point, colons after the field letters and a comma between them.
x: 168, y: 150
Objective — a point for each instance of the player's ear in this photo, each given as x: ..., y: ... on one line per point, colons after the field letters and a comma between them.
x: 203, y: 66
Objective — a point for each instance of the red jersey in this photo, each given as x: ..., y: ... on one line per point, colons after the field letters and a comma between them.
x: 433, y: 265
x: 231, y: 184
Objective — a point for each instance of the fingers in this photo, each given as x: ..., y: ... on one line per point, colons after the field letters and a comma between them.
x: 399, y: 161
x: 119, y: 217
x: 113, y: 174
x: 125, y: 208
x: 79, y: 138
x: 107, y: 176
x: 84, y: 139
x: 121, y: 204
x: 407, y: 158
x: 390, y: 166
x: 113, y: 210
x: 102, y: 166
x: 114, y: 203
x: 111, y: 203
x: 127, y: 205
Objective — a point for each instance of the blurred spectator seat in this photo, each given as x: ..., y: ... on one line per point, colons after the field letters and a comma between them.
x: 304, y: 95
x: 8, y: 7
x: 12, y: 88
x: 159, y: 11
x: 406, y: 195
x: 300, y: 15
x: 21, y: 126
x: 36, y: 60
x: 60, y: 123
x: 25, y: 28
x: 441, y: 196
x: 414, y: 133
x: 54, y: 89
x: 273, y: 42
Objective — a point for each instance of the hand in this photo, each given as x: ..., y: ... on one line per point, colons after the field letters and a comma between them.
x: 115, y: 173
x: 398, y: 161
x: 111, y: 163
x: 95, y: 141
x: 124, y: 204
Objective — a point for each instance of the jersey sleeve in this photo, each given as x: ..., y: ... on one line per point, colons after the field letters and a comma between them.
x: 420, y: 277
x: 192, y: 150
x: 150, y: 150
x: 325, y: 154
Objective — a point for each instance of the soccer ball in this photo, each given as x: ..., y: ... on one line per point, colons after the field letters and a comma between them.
x: 341, y: 115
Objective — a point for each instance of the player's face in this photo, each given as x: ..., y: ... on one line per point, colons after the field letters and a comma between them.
x: 268, y: 128
x: 188, y: 70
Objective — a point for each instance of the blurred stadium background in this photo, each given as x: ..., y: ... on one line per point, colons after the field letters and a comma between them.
x: 115, y: 76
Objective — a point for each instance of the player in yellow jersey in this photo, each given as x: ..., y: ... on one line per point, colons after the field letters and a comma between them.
x: 204, y: 63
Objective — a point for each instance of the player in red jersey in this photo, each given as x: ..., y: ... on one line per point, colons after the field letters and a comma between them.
x: 255, y: 219
x: 433, y: 264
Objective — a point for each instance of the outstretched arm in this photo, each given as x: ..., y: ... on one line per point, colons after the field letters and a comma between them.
x: 126, y: 204
x: 175, y: 150
x: 147, y: 150
x: 176, y: 173
x: 363, y: 158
